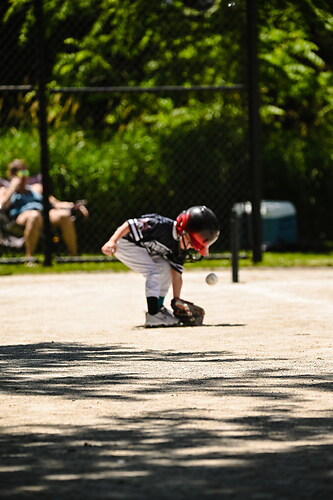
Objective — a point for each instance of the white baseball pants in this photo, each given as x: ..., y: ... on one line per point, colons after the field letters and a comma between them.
x: 156, y: 269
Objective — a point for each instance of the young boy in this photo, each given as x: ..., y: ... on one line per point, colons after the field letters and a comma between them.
x: 156, y: 247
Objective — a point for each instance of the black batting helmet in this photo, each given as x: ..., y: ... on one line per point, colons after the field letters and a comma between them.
x: 202, y: 226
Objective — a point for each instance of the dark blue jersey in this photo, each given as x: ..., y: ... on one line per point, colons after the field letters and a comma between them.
x: 158, y: 235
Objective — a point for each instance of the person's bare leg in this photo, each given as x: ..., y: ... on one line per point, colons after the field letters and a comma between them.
x: 61, y: 217
x: 32, y: 221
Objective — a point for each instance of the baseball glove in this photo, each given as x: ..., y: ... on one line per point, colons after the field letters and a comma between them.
x: 187, y: 312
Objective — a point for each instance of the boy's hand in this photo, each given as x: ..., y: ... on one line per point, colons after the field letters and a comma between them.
x: 109, y: 248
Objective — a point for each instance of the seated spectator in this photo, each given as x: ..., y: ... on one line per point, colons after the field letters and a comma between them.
x: 24, y: 204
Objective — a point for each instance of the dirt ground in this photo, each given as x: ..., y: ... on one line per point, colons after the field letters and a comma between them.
x: 94, y: 406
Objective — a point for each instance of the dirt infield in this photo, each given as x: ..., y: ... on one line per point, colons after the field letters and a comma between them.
x: 95, y: 406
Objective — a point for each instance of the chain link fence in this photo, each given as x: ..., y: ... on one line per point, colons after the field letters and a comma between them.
x: 147, y: 108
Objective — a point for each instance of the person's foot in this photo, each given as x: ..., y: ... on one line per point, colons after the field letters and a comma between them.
x: 168, y: 313
x: 31, y: 262
x: 162, y: 318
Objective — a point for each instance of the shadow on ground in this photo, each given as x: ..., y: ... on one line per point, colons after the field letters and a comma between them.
x: 174, y: 454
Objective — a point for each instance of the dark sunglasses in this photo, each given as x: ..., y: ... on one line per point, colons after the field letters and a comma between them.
x: 22, y: 173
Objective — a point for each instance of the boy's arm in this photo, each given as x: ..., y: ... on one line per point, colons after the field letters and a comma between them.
x: 177, y: 283
x: 110, y: 246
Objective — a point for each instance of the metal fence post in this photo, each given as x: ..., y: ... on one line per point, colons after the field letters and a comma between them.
x: 234, y: 230
x: 44, y: 153
x: 254, y: 128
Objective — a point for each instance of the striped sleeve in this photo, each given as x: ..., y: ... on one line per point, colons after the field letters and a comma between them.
x: 135, y: 229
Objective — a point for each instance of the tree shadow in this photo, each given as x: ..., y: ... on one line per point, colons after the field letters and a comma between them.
x: 165, y: 461
x: 47, y: 369
x: 180, y: 453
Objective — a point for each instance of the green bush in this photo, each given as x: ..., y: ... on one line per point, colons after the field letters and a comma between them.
x: 163, y: 163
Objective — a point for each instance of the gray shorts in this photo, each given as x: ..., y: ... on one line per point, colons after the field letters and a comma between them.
x: 155, y: 268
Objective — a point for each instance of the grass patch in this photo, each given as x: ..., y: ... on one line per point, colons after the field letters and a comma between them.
x: 297, y: 259
x: 270, y: 259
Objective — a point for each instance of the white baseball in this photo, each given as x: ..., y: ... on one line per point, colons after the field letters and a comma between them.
x: 211, y: 279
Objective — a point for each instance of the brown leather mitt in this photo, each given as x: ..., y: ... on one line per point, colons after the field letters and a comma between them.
x: 188, y: 313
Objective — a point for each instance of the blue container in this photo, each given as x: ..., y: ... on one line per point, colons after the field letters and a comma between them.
x: 279, y: 223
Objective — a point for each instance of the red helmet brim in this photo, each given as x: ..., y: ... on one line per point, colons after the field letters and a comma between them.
x: 199, y: 246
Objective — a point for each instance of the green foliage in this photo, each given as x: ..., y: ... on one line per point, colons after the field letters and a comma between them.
x: 123, y: 142
x: 297, y: 110
x: 19, y: 144
x: 126, y: 43
x: 135, y: 168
